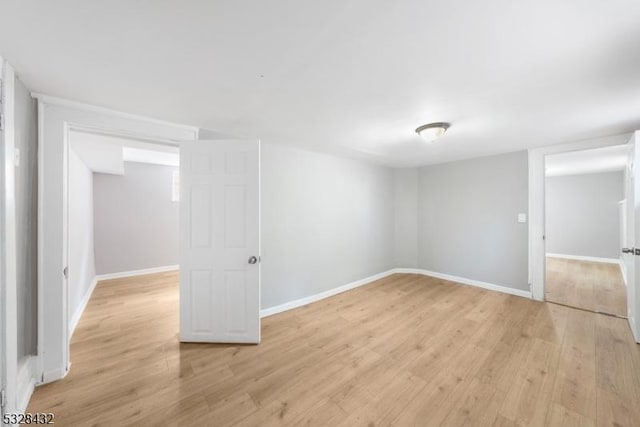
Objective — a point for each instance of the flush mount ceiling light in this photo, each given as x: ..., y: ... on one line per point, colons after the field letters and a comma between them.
x: 432, y: 131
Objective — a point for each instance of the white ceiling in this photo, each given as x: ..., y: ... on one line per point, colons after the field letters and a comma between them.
x: 107, y: 154
x: 352, y: 77
x: 587, y: 161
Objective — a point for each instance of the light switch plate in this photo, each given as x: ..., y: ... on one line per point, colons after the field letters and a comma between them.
x: 522, y: 217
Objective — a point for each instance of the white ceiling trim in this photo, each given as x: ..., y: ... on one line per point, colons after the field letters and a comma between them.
x: 63, y: 102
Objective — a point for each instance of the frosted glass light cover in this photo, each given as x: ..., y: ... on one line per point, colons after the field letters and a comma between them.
x: 432, y: 131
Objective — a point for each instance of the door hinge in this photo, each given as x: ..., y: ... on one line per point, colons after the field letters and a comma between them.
x: 65, y: 272
x: 1, y: 121
x: 3, y: 398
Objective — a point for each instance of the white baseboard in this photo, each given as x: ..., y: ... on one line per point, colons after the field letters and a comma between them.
x: 26, y: 379
x: 322, y: 295
x: 634, y: 331
x: 54, y: 375
x: 317, y: 297
x: 585, y: 258
x: 73, y: 322
x: 465, y: 281
x: 142, y: 272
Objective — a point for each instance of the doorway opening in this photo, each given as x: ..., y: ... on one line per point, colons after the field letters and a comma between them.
x: 219, y: 211
x: 585, y: 229
x: 123, y: 240
x: 170, y: 225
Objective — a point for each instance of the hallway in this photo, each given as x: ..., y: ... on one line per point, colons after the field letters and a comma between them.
x: 593, y: 286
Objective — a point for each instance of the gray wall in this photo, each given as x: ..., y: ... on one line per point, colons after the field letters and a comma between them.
x: 81, y: 242
x: 26, y: 219
x: 582, y: 214
x: 406, y: 217
x: 467, y: 213
x: 326, y: 221
x: 136, y: 223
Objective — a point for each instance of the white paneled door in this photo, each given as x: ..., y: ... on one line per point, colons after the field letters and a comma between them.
x: 220, y: 241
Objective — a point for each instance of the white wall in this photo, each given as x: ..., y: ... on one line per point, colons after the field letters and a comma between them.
x: 136, y: 223
x: 17, y: 371
x: 26, y: 187
x: 582, y: 214
x: 326, y: 221
x: 467, y: 219
x: 406, y: 217
x: 82, y: 270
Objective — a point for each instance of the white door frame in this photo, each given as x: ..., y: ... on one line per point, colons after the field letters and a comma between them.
x: 3, y: 356
x: 56, y: 118
x: 537, y: 203
x: 633, y: 196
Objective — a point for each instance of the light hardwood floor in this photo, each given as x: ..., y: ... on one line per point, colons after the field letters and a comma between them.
x: 405, y: 350
x: 593, y: 286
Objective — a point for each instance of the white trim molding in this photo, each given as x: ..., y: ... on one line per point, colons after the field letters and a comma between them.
x: 57, y: 117
x: 133, y: 273
x: 12, y: 384
x: 632, y: 325
x: 322, y: 295
x: 585, y: 258
x: 76, y: 105
x: 26, y: 381
x: 54, y: 374
x: 536, y: 202
x: 465, y: 281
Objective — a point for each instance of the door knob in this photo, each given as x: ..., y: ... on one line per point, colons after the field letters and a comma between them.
x: 628, y: 250
x: 253, y: 260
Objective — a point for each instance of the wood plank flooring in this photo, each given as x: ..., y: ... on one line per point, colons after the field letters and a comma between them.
x: 593, y: 286
x: 405, y: 350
